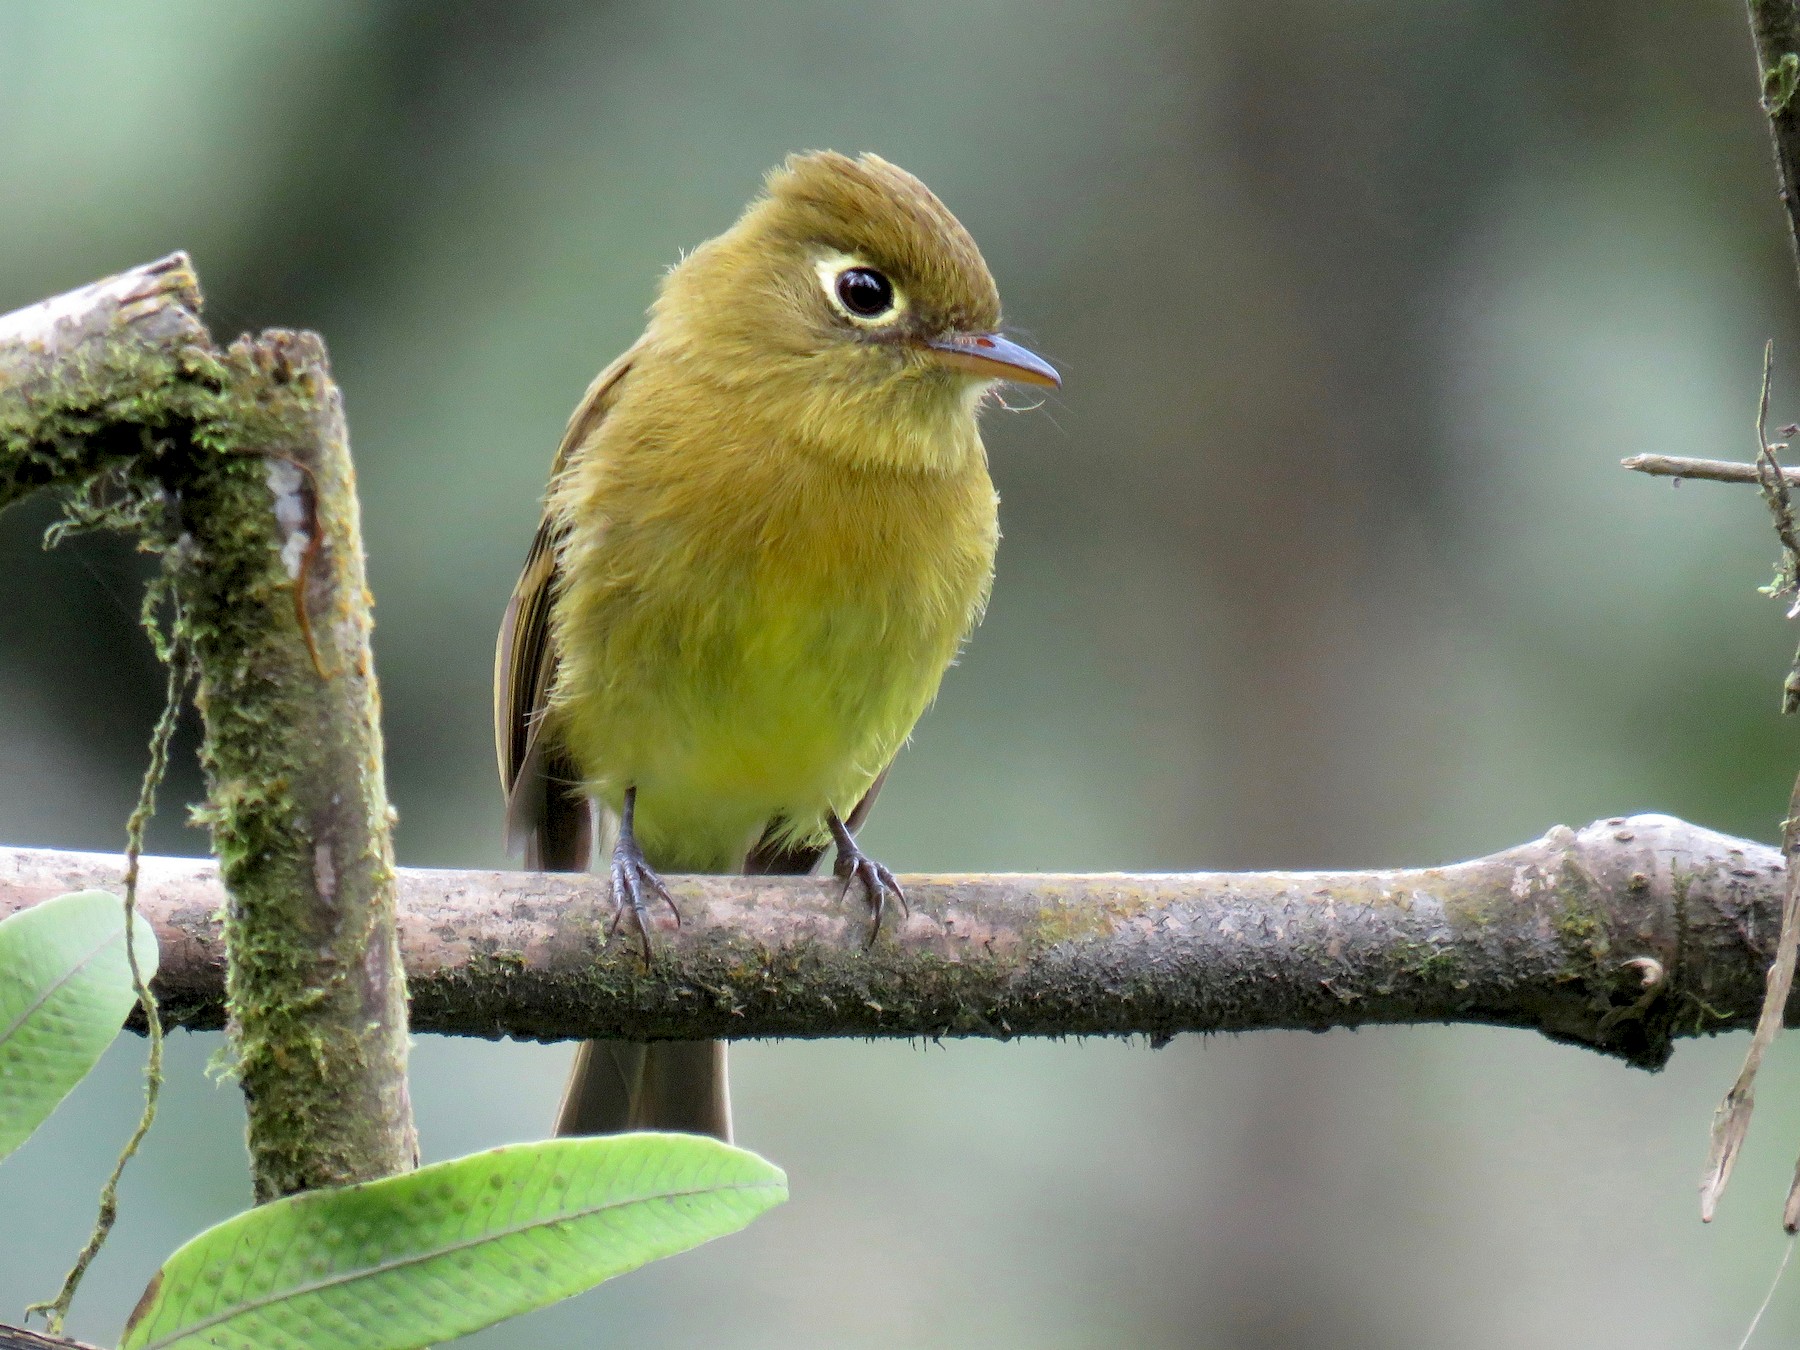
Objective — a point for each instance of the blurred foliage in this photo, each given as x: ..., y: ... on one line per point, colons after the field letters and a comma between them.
x: 1321, y: 557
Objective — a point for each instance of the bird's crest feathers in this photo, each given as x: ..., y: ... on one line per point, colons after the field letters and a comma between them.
x: 876, y: 211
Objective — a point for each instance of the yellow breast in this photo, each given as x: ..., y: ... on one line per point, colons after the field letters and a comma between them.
x: 749, y: 626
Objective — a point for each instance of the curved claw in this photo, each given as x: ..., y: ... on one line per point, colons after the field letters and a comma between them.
x: 853, y: 865
x: 631, y: 877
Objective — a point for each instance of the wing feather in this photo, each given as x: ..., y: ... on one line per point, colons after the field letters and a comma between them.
x: 545, y: 811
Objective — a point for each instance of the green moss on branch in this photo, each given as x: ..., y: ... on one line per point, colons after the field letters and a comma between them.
x: 234, y: 467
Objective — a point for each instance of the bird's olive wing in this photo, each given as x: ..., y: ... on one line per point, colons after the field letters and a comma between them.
x: 532, y: 767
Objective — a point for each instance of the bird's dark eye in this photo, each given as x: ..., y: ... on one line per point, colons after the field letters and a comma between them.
x: 865, y: 292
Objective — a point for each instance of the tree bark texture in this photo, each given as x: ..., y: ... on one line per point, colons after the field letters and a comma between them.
x: 1620, y: 937
x: 233, y: 465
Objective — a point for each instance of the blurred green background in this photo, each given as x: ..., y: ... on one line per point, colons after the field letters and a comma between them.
x: 1322, y: 557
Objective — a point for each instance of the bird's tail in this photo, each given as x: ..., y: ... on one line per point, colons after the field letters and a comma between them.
x: 660, y: 1085
x: 626, y: 1085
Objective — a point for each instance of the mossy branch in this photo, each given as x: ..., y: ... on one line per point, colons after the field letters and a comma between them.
x: 233, y: 466
x: 1620, y: 937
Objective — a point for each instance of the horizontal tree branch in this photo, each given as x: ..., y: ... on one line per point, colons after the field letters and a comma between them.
x: 1620, y: 937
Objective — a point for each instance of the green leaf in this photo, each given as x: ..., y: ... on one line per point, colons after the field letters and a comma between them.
x: 65, y: 988
x: 417, y: 1259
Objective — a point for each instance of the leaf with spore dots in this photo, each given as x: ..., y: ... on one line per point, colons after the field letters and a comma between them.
x: 65, y: 989
x: 416, y: 1259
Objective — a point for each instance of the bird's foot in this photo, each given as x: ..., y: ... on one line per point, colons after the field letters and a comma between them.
x: 854, y: 867
x: 632, y: 877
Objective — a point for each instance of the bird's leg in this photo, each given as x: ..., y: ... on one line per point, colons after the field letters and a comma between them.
x: 632, y: 876
x: 853, y: 865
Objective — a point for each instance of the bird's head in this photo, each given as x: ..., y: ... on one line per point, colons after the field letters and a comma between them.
x: 849, y: 302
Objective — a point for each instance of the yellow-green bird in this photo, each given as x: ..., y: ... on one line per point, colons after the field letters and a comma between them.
x: 768, y: 530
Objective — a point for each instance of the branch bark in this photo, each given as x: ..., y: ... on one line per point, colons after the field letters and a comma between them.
x: 1620, y: 937
x: 1708, y: 470
x: 19, y: 1338
x: 89, y: 378
x: 234, y: 466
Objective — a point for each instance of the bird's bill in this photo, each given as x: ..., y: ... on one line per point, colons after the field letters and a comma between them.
x: 991, y: 356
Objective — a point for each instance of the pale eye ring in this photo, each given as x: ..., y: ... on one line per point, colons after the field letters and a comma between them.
x: 863, y: 291
x: 864, y: 295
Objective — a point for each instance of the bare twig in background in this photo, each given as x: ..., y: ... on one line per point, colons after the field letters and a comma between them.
x: 233, y: 465
x: 1770, y: 475
x: 1775, y: 30
x: 1772, y: 479
x: 1786, y: 586
x: 1620, y: 937
x: 1787, y: 1254
x: 1731, y: 1122
x: 18, y: 1338
x: 1707, y: 470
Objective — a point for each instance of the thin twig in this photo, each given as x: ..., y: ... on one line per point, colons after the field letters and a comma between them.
x: 1774, y: 484
x: 1706, y: 470
x: 1768, y: 1298
x: 1731, y: 1122
x: 18, y: 1338
x: 57, y: 1309
x: 1769, y: 475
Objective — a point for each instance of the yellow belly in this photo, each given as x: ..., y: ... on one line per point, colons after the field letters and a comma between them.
x: 738, y: 672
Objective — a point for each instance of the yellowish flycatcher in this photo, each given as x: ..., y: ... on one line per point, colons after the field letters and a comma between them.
x: 768, y: 529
